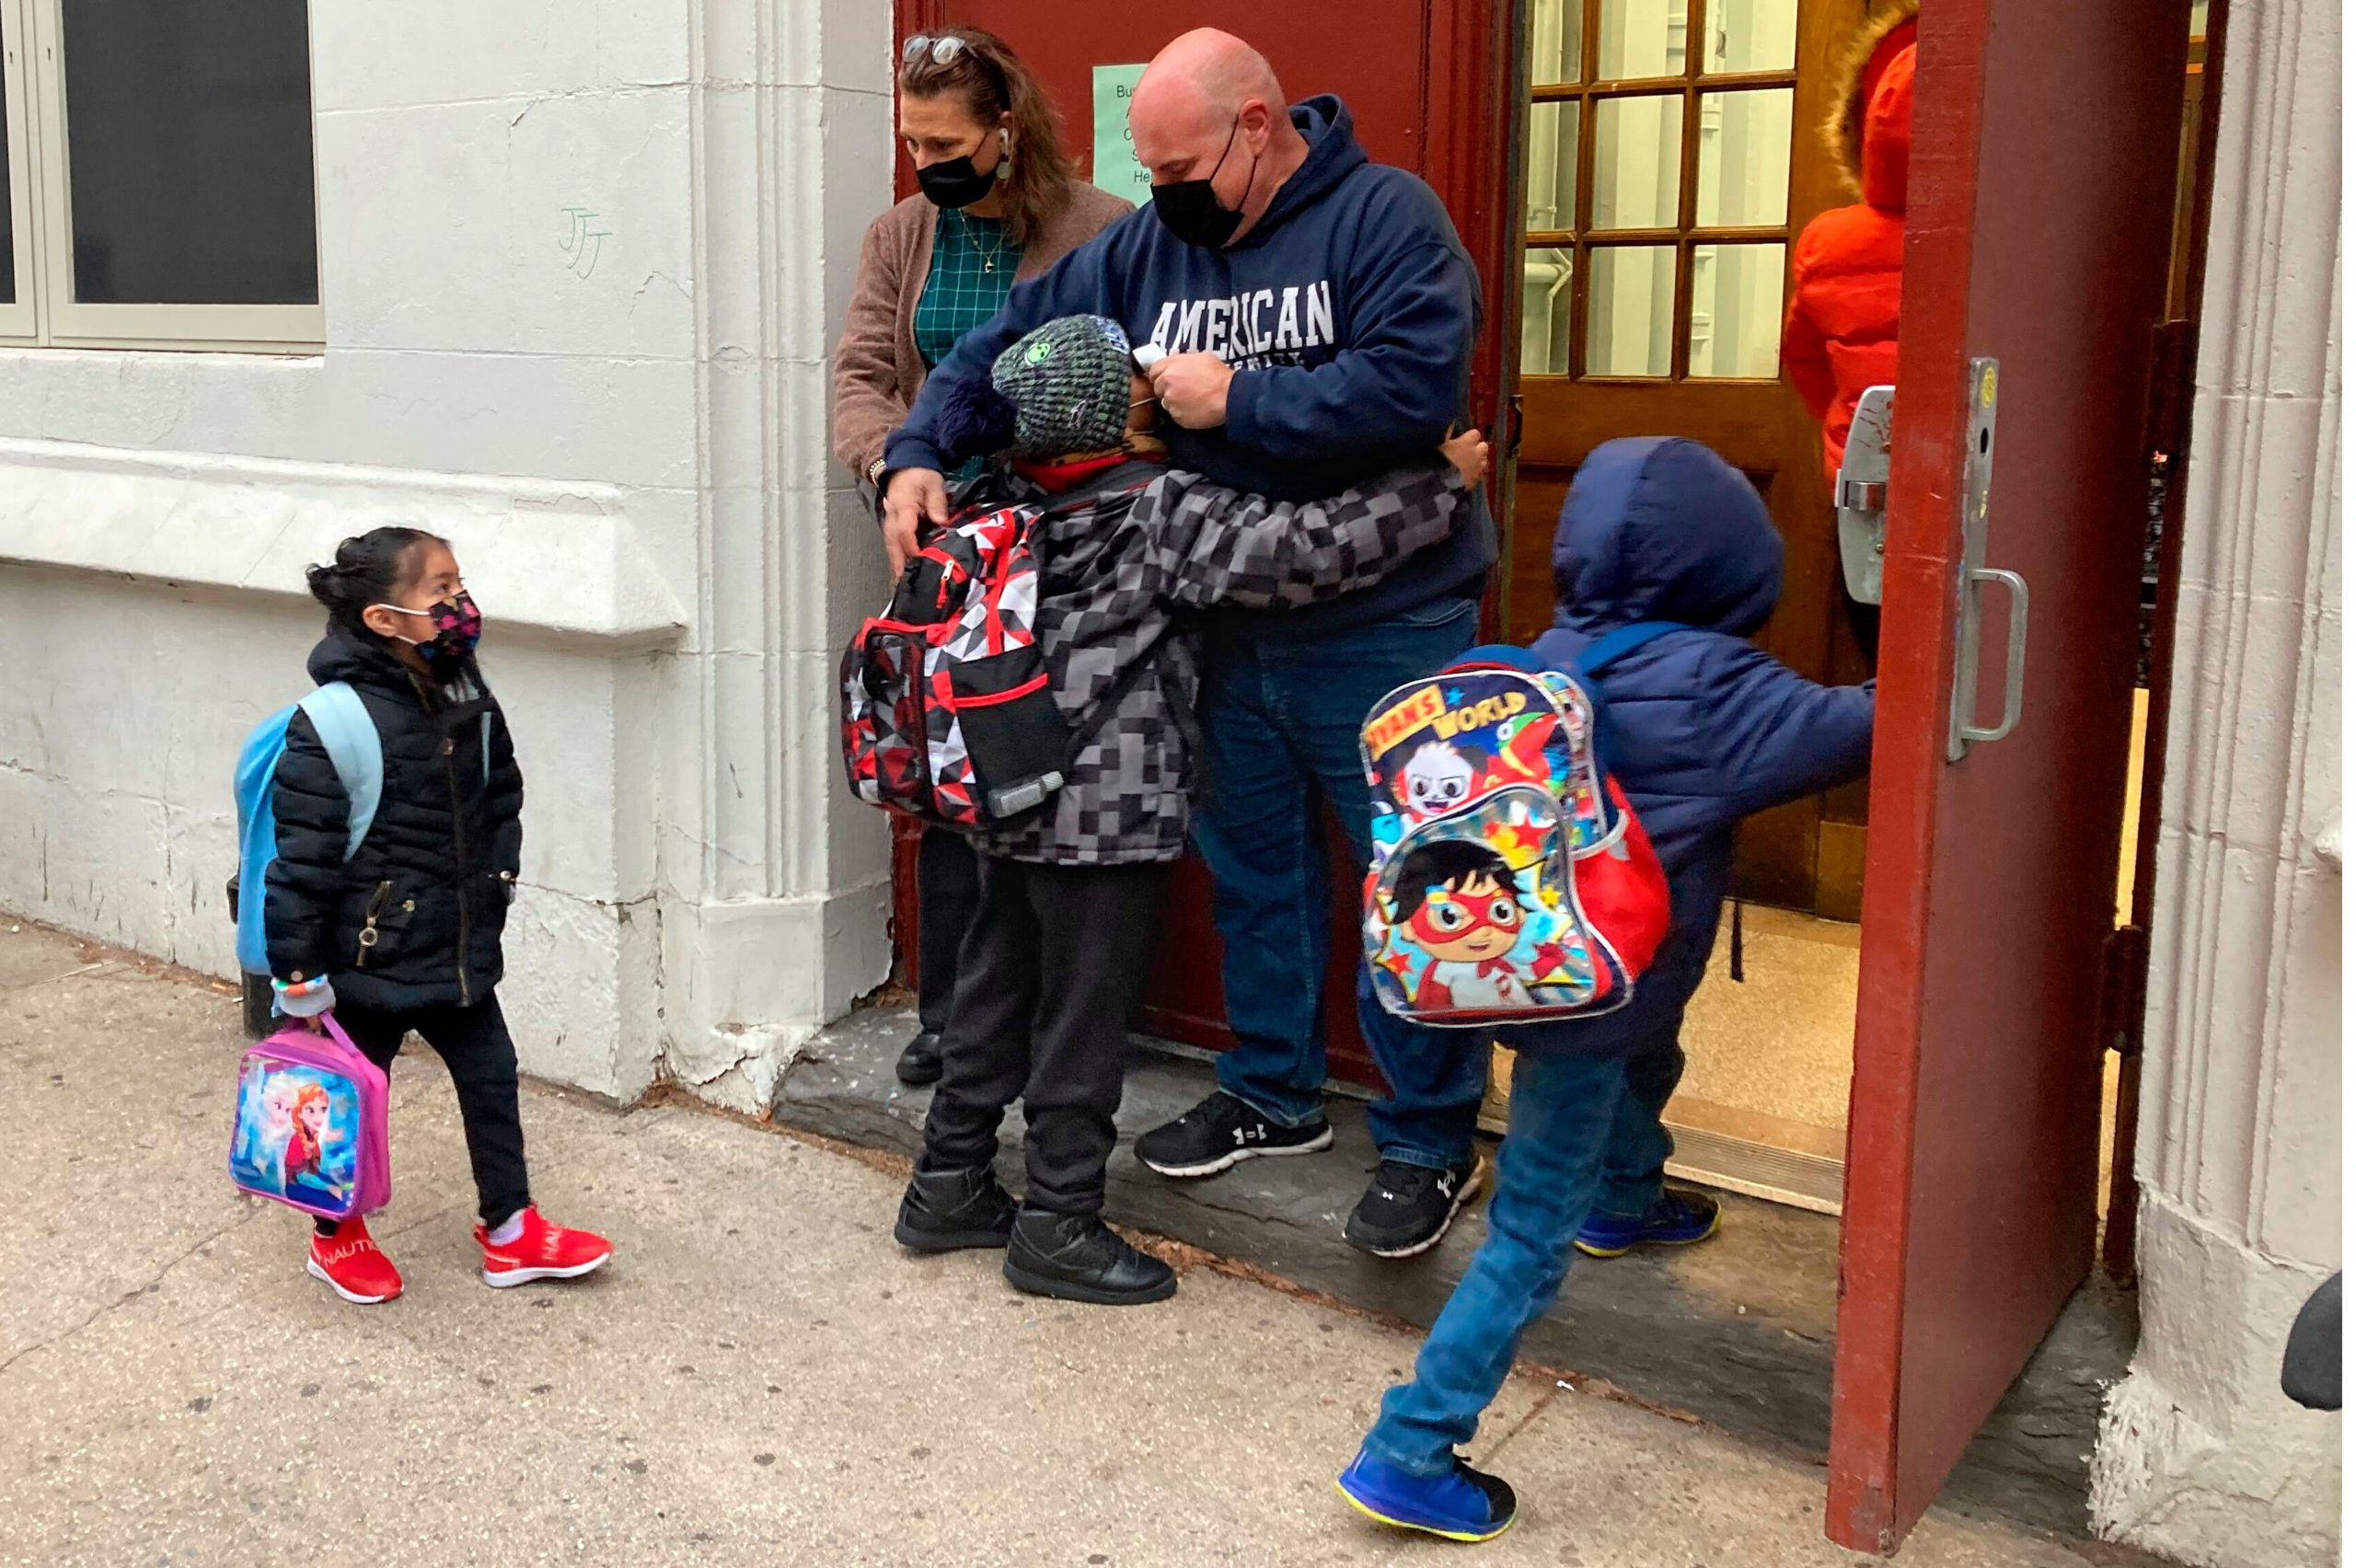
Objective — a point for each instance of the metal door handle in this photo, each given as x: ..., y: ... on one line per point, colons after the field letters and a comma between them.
x: 2015, y: 655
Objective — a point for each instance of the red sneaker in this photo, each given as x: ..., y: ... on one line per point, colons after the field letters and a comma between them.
x: 542, y: 1252
x: 351, y: 1264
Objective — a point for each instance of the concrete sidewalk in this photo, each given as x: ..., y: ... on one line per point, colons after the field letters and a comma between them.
x: 762, y: 1376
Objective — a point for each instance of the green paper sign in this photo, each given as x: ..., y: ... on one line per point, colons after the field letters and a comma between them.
x: 1117, y: 170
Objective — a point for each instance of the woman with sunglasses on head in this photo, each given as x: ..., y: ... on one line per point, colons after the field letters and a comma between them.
x: 998, y: 203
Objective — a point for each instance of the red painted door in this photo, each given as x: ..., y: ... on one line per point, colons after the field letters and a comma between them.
x: 2038, y: 211
x: 1426, y: 81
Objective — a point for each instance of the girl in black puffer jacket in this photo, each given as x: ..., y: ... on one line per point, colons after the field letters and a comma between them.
x: 404, y: 934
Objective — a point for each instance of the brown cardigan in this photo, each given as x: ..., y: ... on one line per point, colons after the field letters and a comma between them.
x: 877, y: 368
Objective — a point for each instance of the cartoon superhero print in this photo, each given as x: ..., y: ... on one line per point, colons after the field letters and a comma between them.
x: 1459, y: 905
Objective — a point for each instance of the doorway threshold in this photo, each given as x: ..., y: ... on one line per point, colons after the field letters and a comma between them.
x: 1736, y: 1332
x: 1756, y: 1154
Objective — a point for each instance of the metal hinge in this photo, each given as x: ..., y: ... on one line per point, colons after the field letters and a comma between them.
x: 2126, y: 971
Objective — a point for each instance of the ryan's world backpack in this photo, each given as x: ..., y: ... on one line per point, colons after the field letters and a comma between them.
x: 948, y: 710
x: 1510, y: 881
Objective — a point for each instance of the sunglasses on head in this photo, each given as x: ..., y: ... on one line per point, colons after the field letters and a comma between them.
x: 945, y: 49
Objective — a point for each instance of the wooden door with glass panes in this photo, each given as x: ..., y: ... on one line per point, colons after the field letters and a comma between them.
x: 1672, y: 155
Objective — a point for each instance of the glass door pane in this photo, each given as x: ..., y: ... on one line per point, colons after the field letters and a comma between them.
x: 1743, y: 175
x: 1631, y: 306
x: 1637, y: 143
x: 1553, y: 158
x: 1555, y: 40
x: 1546, y: 313
x: 1752, y: 35
x: 1737, y: 311
x: 1640, y: 38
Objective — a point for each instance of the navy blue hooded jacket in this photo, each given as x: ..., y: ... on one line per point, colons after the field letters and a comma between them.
x: 1349, y: 312
x: 1705, y: 727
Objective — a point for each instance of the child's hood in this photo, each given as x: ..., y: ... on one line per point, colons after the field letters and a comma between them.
x: 356, y: 661
x: 1657, y: 528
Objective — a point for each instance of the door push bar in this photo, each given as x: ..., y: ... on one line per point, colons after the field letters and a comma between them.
x: 1862, y: 494
x: 1972, y: 572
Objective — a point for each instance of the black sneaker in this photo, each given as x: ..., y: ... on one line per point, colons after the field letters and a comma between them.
x: 1078, y: 1257
x: 919, y: 1061
x: 1223, y: 1131
x: 948, y: 1211
x: 1409, y: 1207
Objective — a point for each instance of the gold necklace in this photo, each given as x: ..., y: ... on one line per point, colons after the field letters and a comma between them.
x: 973, y: 236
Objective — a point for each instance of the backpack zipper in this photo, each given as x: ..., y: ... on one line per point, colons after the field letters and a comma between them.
x: 458, y: 836
x: 368, y: 932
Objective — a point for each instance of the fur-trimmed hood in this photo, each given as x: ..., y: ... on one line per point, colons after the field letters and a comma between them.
x: 1870, y: 129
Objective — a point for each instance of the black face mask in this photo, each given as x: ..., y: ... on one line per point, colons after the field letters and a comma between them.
x: 1190, y: 209
x: 955, y: 182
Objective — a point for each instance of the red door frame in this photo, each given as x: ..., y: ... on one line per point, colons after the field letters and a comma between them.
x: 1467, y: 83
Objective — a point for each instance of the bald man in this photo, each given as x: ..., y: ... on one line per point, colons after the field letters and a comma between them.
x: 1312, y: 316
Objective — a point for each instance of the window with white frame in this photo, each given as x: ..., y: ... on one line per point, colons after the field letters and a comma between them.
x: 159, y: 184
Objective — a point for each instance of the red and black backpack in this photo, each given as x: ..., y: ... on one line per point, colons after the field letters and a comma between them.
x: 947, y: 710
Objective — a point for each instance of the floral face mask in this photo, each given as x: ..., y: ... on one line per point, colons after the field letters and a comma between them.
x: 457, y: 626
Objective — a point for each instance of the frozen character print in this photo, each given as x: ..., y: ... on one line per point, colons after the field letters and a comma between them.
x: 1436, y: 780
x: 1459, y: 905
x: 261, y: 1145
x: 306, y: 1144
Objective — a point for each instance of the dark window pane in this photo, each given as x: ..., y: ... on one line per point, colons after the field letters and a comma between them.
x: 7, y: 209
x: 189, y: 146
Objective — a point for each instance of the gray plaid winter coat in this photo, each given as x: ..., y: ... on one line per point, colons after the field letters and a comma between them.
x: 1122, y: 553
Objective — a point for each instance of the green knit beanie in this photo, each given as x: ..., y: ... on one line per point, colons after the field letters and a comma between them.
x: 1069, y: 384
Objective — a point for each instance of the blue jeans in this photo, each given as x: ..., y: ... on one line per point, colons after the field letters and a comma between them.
x: 1280, y: 731
x: 1575, y: 1122
x: 1638, y: 1147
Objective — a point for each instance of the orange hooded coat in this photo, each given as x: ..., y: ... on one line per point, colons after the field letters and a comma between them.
x: 1840, y: 333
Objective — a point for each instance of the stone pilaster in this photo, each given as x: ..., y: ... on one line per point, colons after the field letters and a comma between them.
x: 2201, y: 1458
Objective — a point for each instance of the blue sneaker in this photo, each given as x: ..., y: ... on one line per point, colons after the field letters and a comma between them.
x: 1679, y: 1219
x: 1463, y: 1504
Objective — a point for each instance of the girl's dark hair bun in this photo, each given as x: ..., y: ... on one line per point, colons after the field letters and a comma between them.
x: 368, y: 569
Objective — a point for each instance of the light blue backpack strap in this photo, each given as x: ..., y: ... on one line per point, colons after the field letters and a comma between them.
x: 1623, y: 641
x: 486, y: 748
x: 258, y: 834
x: 342, y: 722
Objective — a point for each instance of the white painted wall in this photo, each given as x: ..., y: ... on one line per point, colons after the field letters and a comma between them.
x: 624, y: 437
x: 2201, y: 1458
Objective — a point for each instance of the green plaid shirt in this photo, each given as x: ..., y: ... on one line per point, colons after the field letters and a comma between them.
x: 972, y: 273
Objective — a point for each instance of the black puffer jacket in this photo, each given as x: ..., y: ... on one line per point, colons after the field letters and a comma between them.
x: 413, y: 919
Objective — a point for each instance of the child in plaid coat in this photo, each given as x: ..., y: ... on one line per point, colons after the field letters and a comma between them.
x: 1056, y: 959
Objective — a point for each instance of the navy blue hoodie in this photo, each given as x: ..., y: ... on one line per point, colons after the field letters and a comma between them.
x: 1705, y: 728
x: 1349, y: 311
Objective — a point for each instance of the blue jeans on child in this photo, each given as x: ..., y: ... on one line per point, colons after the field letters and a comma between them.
x: 1280, y: 719
x: 1583, y: 1133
